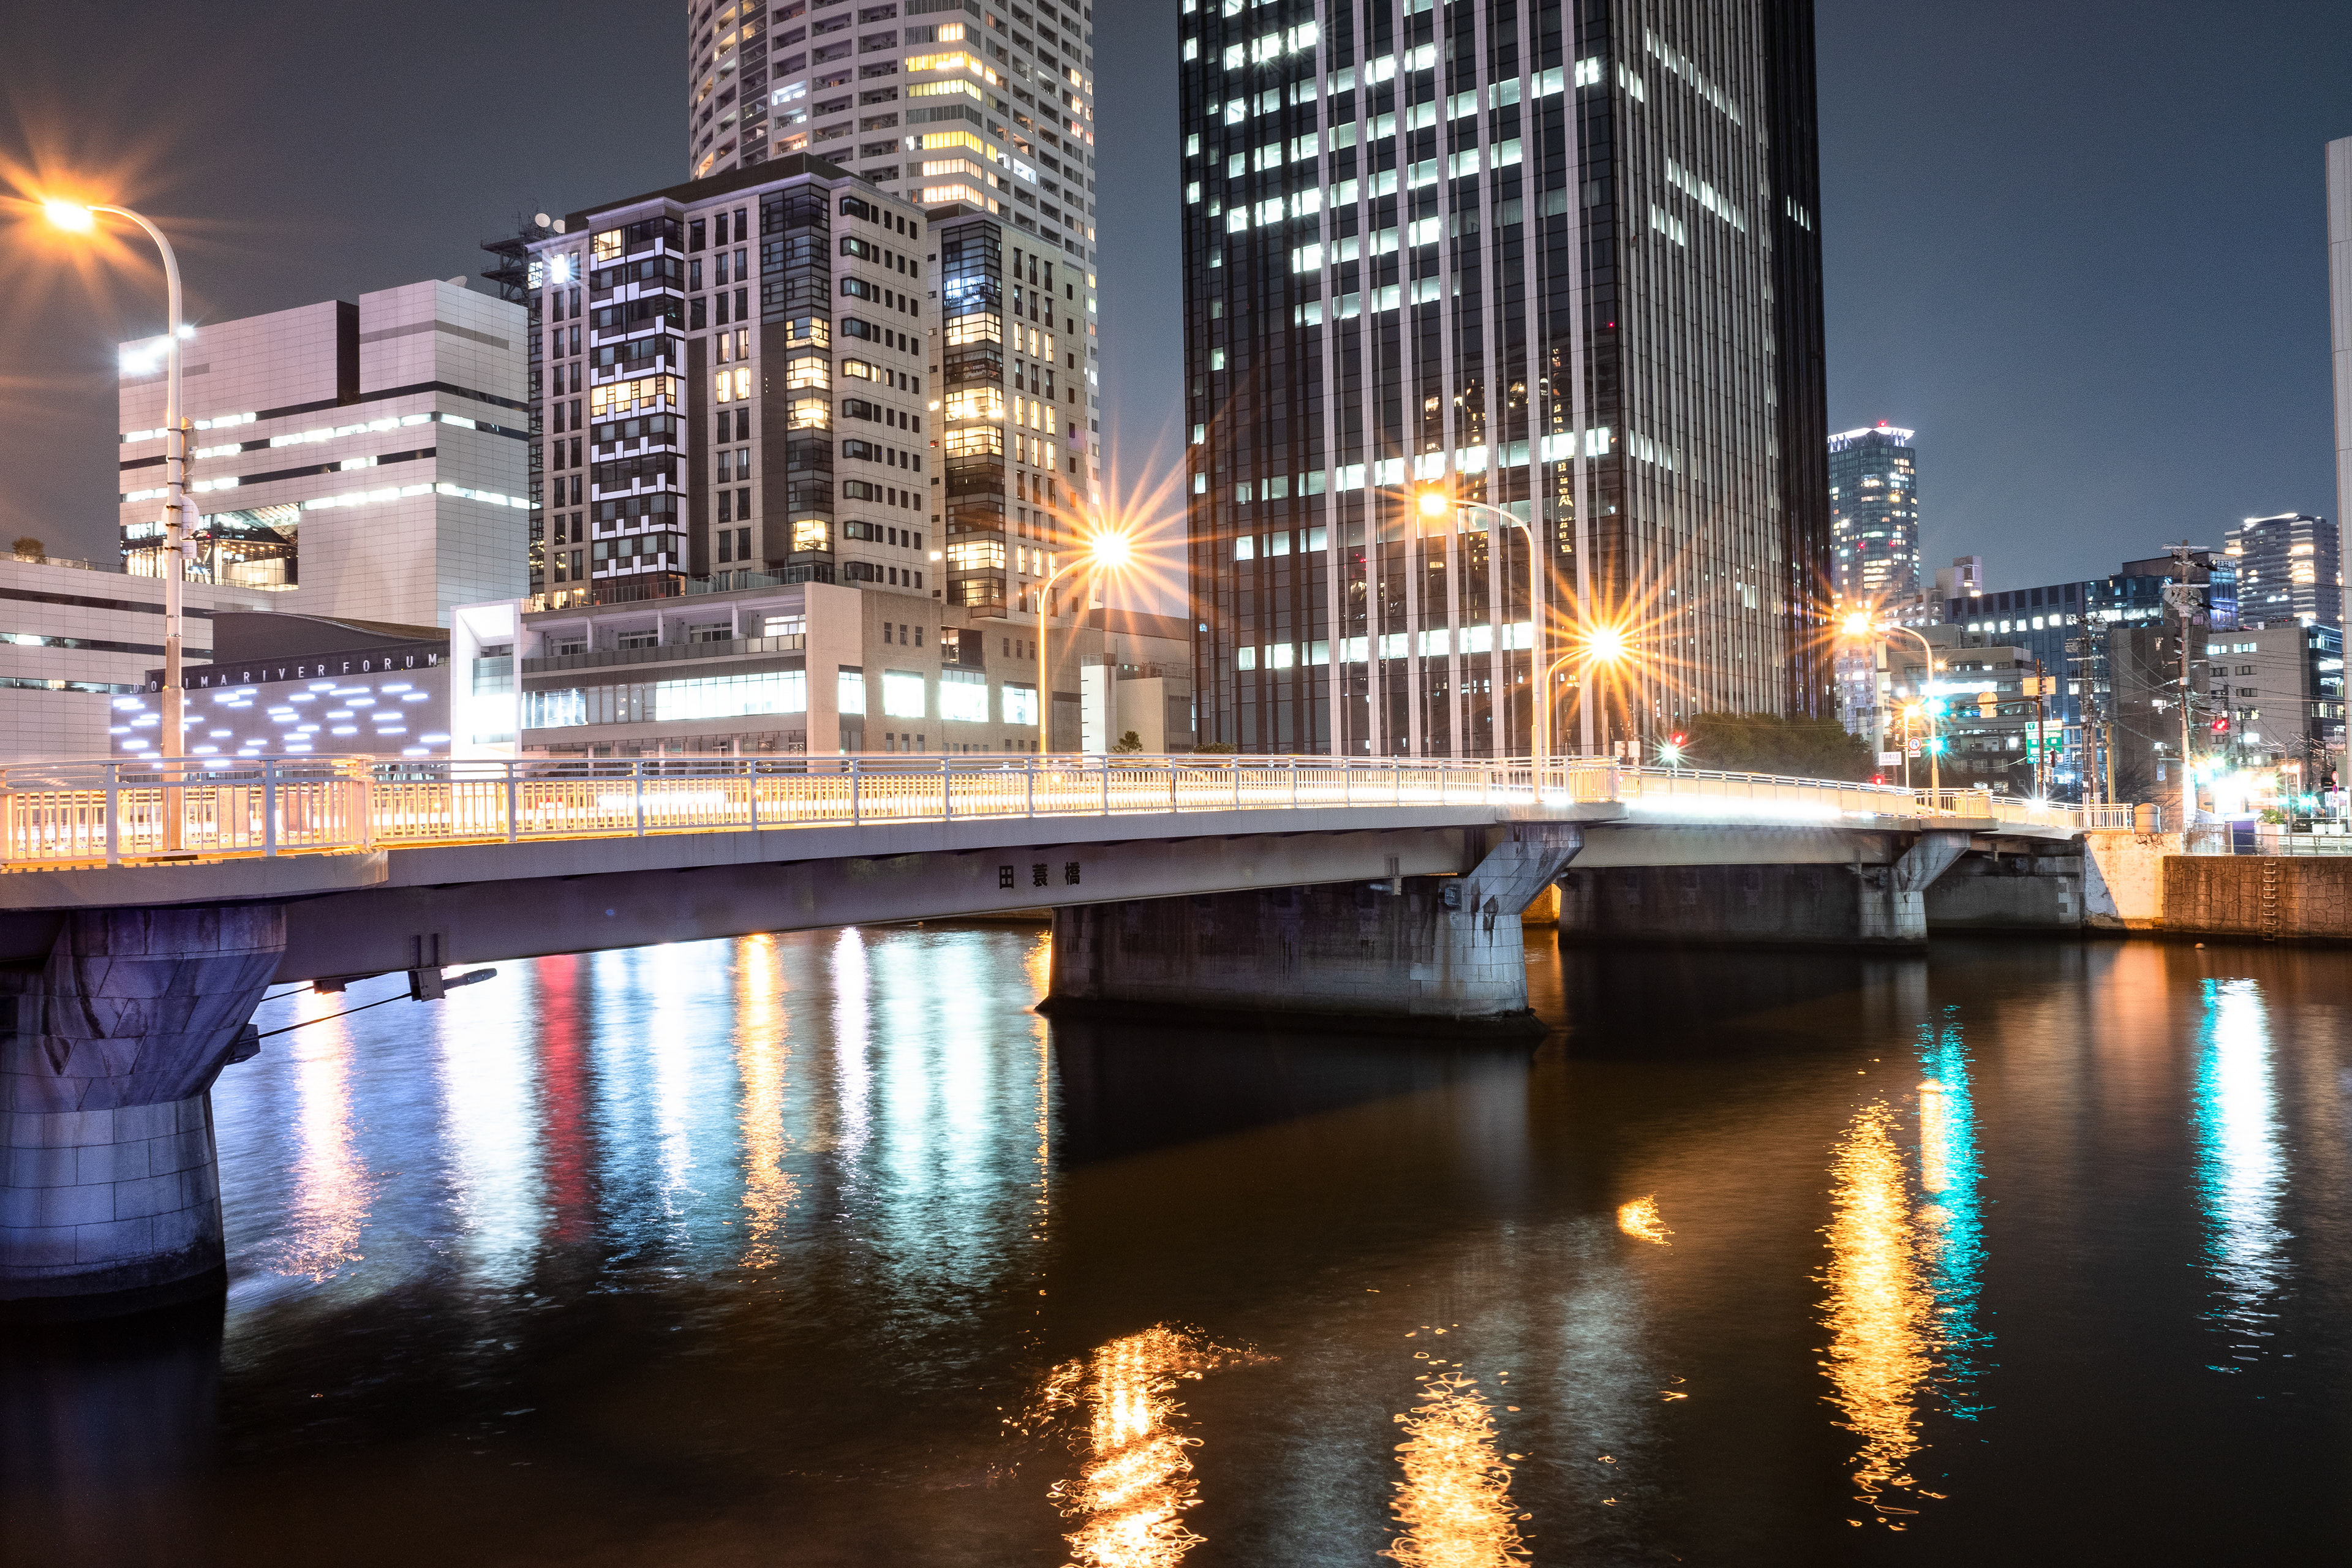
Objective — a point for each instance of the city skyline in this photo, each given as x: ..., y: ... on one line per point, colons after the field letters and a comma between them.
x: 2247, y: 434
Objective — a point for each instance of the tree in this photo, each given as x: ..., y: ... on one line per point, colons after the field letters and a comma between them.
x: 31, y: 549
x: 1130, y: 742
x: 1769, y: 744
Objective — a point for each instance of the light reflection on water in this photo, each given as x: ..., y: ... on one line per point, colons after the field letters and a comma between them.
x: 762, y: 1248
x: 2240, y: 1169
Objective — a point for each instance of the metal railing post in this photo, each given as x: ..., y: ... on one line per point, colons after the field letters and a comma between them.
x: 751, y: 788
x: 268, y: 806
x: 946, y: 785
x: 857, y: 808
x: 114, y: 814
x: 1105, y: 787
x: 1237, y: 783
x: 1031, y: 782
x: 514, y: 808
x: 1294, y: 783
x: 637, y: 777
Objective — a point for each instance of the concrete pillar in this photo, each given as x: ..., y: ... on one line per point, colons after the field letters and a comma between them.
x: 2008, y: 891
x: 110, y: 1199
x: 1781, y: 905
x: 1406, y: 953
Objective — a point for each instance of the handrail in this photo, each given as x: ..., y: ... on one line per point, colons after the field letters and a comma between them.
x: 56, y: 813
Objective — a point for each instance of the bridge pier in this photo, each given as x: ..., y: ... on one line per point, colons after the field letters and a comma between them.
x: 111, y: 1197
x: 1797, y: 905
x: 1409, y: 952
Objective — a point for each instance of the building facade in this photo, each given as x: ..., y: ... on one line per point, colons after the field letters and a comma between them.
x: 734, y: 374
x: 1561, y: 261
x: 2337, y: 165
x: 79, y: 638
x: 294, y: 414
x: 807, y: 669
x: 1874, y: 517
x: 2097, y: 639
x: 964, y: 109
x: 2290, y: 571
x: 295, y: 686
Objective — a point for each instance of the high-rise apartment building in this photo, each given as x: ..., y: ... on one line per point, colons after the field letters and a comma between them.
x: 1562, y: 261
x: 964, y: 109
x: 1874, y: 516
x: 363, y: 460
x: 734, y: 375
x: 2290, y: 570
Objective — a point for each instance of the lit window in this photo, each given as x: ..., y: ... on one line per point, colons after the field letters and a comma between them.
x: 902, y: 695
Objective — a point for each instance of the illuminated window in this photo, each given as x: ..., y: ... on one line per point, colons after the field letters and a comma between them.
x: 976, y: 403
x: 806, y: 331
x: 605, y: 245
x: 902, y: 695
x: 812, y: 534
x: 976, y: 555
x: 963, y: 696
x: 859, y: 370
x: 1019, y: 704
x: 984, y: 327
x: 809, y: 412
x: 975, y: 441
x: 939, y: 196
x: 808, y: 369
x: 944, y: 140
x: 849, y: 692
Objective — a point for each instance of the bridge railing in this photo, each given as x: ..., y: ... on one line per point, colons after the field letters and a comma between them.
x: 80, y: 812
x: 59, y: 813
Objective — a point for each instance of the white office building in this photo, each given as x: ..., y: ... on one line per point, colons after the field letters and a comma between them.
x: 365, y: 460
x: 75, y: 639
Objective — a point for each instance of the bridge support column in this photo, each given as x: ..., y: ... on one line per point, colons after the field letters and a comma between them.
x: 1410, y: 953
x: 110, y: 1197
x: 1799, y: 905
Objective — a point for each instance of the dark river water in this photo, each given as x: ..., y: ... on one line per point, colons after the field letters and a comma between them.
x: 826, y: 1249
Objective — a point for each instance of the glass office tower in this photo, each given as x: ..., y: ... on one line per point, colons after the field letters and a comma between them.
x: 1874, y: 517
x: 1559, y: 260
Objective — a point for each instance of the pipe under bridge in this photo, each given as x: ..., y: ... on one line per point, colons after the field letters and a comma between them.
x: 145, y: 908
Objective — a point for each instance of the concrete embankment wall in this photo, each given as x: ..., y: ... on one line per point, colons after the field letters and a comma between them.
x: 2271, y: 897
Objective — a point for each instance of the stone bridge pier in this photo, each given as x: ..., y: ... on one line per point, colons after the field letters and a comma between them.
x: 109, y: 1047
x: 1406, y: 953
x: 1810, y: 903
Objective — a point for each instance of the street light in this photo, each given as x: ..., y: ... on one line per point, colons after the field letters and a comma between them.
x: 1860, y: 624
x: 75, y: 217
x: 1602, y: 645
x: 1105, y: 552
x: 1434, y: 501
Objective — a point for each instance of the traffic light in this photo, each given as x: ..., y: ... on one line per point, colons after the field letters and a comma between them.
x: 1987, y: 702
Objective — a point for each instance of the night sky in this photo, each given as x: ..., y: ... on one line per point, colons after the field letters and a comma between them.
x: 2079, y: 248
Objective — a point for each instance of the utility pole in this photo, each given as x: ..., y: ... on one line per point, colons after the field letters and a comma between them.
x: 2184, y: 599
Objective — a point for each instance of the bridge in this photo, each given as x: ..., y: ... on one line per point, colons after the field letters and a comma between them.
x: 146, y: 906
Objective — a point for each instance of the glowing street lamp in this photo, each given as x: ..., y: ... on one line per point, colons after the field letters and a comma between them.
x: 1104, y: 552
x: 1434, y: 501
x: 75, y: 217
x: 1862, y: 625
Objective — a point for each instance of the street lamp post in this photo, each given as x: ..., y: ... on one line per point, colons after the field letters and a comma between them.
x: 1434, y: 502
x: 1862, y: 625
x: 1105, y: 550
x: 79, y: 219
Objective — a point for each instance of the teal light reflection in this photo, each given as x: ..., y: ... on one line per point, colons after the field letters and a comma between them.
x: 2241, y: 1168
x: 1952, y: 1213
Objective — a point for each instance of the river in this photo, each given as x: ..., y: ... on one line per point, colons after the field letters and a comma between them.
x: 826, y: 1249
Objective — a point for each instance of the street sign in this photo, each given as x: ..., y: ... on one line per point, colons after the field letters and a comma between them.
x: 1885, y: 758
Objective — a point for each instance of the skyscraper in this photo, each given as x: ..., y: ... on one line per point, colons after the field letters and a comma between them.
x: 2339, y: 311
x: 963, y: 109
x: 1874, y: 516
x: 2290, y: 568
x: 1559, y: 260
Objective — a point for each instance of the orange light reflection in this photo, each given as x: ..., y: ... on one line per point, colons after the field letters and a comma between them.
x: 1454, y: 1502
x: 1880, y: 1311
x: 1640, y: 1218
x: 764, y: 1058
x: 1136, y: 1482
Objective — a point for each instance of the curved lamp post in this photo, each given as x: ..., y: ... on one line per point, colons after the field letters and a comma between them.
x: 1435, y: 502
x: 1104, y: 551
x: 1863, y: 625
